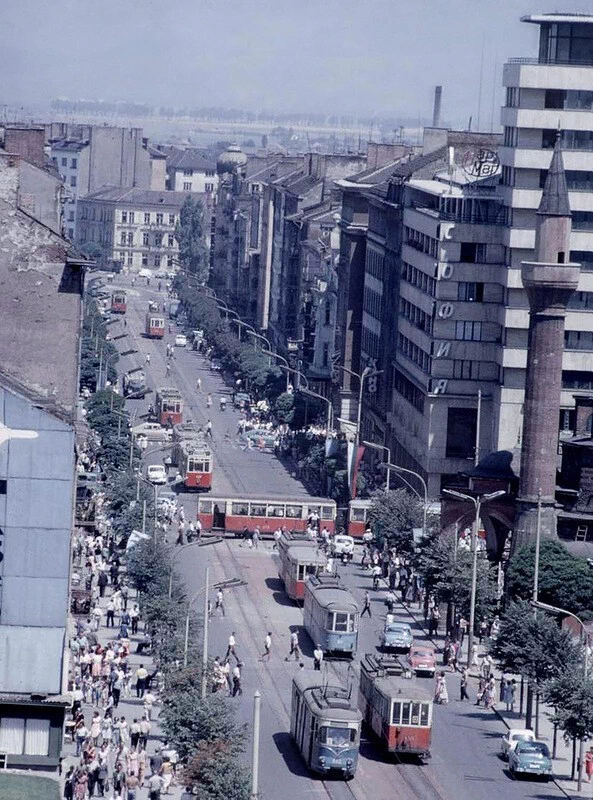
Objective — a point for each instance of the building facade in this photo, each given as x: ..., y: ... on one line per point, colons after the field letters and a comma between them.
x: 133, y: 228
x: 190, y: 171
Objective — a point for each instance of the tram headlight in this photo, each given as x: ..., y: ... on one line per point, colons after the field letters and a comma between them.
x: 348, y: 762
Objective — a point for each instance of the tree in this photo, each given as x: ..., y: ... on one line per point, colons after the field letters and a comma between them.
x: 572, y: 697
x: 564, y: 580
x: 393, y: 515
x: 149, y: 566
x: 216, y: 773
x: 190, y: 235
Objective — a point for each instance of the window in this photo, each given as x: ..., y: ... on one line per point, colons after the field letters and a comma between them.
x: 72, y: 180
x: 239, y: 509
x: 582, y: 257
x: 578, y: 340
x: 582, y: 220
x: 209, y: 173
x: 20, y: 736
x: 157, y: 261
x: 188, y: 173
x: 468, y: 331
x: 408, y: 390
x: 513, y: 97
x: 420, y: 241
x: 71, y: 233
x: 209, y: 187
x: 466, y: 370
x: 570, y: 140
x: 130, y: 259
x: 124, y: 216
x: 470, y: 292
x: 328, y: 312
x: 170, y: 240
x: 420, y: 319
x: 71, y: 216
x: 147, y: 217
x: 74, y: 163
x: 275, y: 511
x: 64, y: 162
x: 145, y: 239
x: 581, y: 300
x: 131, y: 216
x: 461, y: 432
x: 413, y: 352
x: 325, y: 356
x: 418, y: 278
x: 159, y: 218
x: 144, y: 260
x: 171, y: 219
x: 468, y: 252
x: 340, y: 621
x: 169, y: 261
x: 510, y: 137
x: 187, y: 186
x: 123, y: 237
x: 130, y: 237
x: 508, y: 176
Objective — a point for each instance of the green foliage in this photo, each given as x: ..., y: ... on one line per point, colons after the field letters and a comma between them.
x: 572, y: 697
x: 534, y: 646
x: 393, y: 516
x: 284, y: 407
x: 216, y: 774
x: 564, y: 580
x: 448, y: 575
x: 148, y: 565
x: 187, y: 720
x: 190, y: 234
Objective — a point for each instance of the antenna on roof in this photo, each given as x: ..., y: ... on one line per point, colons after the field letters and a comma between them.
x: 480, y: 83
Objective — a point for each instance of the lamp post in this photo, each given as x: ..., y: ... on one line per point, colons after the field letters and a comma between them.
x: 193, y: 598
x: 263, y: 338
x: 305, y: 390
x: 417, y: 475
x: 367, y: 372
x: 565, y: 613
x: 173, y: 559
x: 281, y: 358
x: 155, y: 489
x: 478, y: 501
x: 255, y: 745
x: 382, y: 448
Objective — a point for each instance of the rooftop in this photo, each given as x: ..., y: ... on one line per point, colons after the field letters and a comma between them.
x: 190, y: 159
x: 139, y: 197
x: 559, y: 17
x: 73, y: 145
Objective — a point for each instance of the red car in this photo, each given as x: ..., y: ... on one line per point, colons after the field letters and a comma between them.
x: 423, y: 660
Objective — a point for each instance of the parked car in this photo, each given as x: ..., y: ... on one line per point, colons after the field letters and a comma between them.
x: 341, y: 543
x: 215, y: 365
x: 144, y: 273
x: 397, y: 636
x: 423, y: 660
x: 241, y: 399
x: 156, y: 473
x: 151, y: 431
x: 512, y: 737
x: 181, y: 340
x: 531, y: 758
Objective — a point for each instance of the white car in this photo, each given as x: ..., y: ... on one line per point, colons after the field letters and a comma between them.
x: 181, y: 340
x: 512, y: 737
x: 341, y: 543
x: 156, y: 473
x: 144, y: 273
x: 152, y: 431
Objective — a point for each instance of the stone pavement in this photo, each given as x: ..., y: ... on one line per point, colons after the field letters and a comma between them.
x: 129, y: 707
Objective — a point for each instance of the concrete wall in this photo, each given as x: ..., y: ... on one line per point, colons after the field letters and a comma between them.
x: 40, y: 195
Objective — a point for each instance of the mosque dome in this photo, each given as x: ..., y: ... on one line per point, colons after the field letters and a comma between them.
x: 231, y: 160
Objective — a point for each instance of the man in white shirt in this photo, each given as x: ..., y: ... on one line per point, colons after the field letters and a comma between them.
x: 317, y: 657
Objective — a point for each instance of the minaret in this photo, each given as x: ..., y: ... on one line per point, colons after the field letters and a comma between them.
x: 549, y: 282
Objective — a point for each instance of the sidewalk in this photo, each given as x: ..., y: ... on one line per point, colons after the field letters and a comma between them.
x: 129, y: 707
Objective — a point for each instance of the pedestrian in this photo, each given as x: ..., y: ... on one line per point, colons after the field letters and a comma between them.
x: 463, y: 695
x: 220, y: 602
x: 144, y: 731
x: 209, y: 429
x: 147, y: 357
x: 376, y: 572
x: 267, y: 646
x: 236, y: 674
x: 255, y: 537
x: 294, y: 647
x: 231, y: 646
x: 141, y: 676
x: 209, y: 401
x: 102, y: 777
x: 134, y: 734
x: 441, y: 693
x: 69, y: 784
x: 110, y: 621
x: 589, y: 763
x: 149, y: 701
x: 155, y: 786
x: 132, y: 783
x: 366, y: 609
x: 135, y: 616
x: 317, y: 657
x: 102, y: 580
x: 199, y: 385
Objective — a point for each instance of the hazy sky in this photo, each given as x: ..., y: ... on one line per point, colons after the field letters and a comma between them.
x: 333, y: 56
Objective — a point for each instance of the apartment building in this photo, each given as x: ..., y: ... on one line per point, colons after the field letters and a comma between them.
x: 133, y: 228
x: 550, y: 91
x: 190, y: 171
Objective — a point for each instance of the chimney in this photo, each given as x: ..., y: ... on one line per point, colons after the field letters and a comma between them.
x: 436, y: 111
x: 26, y: 142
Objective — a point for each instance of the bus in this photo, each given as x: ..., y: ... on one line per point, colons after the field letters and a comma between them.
x: 325, y: 724
x: 330, y: 614
x: 395, y: 706
x: 297, y: 564
x: 155, y: 325
x: 119, y: 302
x: 169, y: 406
x: 234, y: 513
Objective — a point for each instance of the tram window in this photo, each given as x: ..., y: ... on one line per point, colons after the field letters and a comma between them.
x: 341, y: 621
x: 312, y: 569
x: 396, y: 714
x: 327, y: 512
x: 313, y: 510
x: 205, y: 507
x: 350, y: 623
x: 415, y: 714
x: 207, y: 467
x: 275, y: 511
x: 336, y: 737
x: 357, y: 514
x: 240, y: 509
x: 424, y: 714
x: 294, y: 512
x: 256, y: 510
x: 406, y: 708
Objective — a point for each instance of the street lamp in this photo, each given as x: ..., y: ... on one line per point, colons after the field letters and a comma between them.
x: 281, y: 358
x: 478, y: 501
x: 564, y: 612
x: 368, y: 372
x: 305, y: 390
x: 155, y: 489
x: 417, y: 475
x: 173, y: 558
x: 381, y: 448
x: 263, y: 338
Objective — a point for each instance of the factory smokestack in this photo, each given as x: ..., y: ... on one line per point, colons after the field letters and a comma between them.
x: 436, y: 111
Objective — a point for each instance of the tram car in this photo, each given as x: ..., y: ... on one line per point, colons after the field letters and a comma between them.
x: 194, y: 461
x: 119, y: 302
x: 395, y: 706
x: 293, y: 539
x: 331, y: 615
x: 169, y: 406
x: 297, y: 564
x: 358, y: 515
x: 325, y: 724
x: 233, y: 513
x: 185, y: 431
x: 155, y: 325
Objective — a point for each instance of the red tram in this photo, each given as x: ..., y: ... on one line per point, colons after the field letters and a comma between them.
x: 119, y: 302
x: 297, y: 563
x: 358, y: 517
x: 195, y: 464
x: 234, y: 514
x: 169, y: 406
x: 395, y: 705
x: 155, y: 325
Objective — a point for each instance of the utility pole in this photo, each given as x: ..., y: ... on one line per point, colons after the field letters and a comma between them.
x: 255, y: 745
x: 205, y: 639
x: 479, y: 414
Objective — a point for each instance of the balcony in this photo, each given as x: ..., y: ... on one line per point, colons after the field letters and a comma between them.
x: 553, y: 62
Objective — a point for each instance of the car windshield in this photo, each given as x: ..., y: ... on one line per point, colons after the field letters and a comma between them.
x: 522, y: 737
x: 533, y: 749
x: 398, y: 629
x: 422, y: 653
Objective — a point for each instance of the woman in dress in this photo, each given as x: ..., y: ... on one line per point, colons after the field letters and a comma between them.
x: 142, y: 765
x: 95, y: 732
x: 441, y: 694
x: 80, y: 784
x: 133, y: 762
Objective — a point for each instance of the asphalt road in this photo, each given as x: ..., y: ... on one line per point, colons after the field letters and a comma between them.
x: 464, y: 764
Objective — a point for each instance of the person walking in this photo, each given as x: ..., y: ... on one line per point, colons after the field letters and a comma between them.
x: 144, y: 731
x: 267, y: 646
x: 209, y: 401
x: 135, y: 617
x: 463, y: 695
x: 209, y: 429
x: 366, y: 609
x: 236, y: 674
x: 294, y: 647
x: 199, y: 385
x: 441, y: 693
x: 231, y: 646
x: 69, y: 784
x: 155, y: 786
x: 141, y: 676
x: 220, y: 602
x: 317, y: 657
x: 110, y: 621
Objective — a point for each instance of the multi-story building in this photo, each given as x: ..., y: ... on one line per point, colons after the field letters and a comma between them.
x: 132, y: 227
x: 545, y: 93
x: 40, y: 314
x: 191, y: 171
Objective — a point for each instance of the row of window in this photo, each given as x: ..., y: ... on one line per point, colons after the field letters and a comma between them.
x: 64, y: 162
x: 570, y: 140
x: 416, y: 354
x: 421, y: 241
x: 578, y: 340
x: 420, y: 319
x: 582, y: 301
x: 102, y: 214
x: 374, y: 264
x: 209, y: 173
x: 127, y: 238
x: 408, y: 390
x: 369, y: 343
x: 129, y: 217
x: 157, y: 260
x: 568, y: 99
x: 470, y: 292
x: 572, y: 379
x: 187, y: 186
x: 418, y: 278
x: 372, y: 303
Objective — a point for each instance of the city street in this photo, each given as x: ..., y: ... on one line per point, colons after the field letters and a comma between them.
x: 465, y: 764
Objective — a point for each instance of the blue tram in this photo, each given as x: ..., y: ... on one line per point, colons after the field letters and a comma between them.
x: 330, y: 615
x: 325, y: 724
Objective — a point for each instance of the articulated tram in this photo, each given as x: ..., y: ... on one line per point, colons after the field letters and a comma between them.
x: 330, y: 615
x: 325, y: 724
x: 233, y: 514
